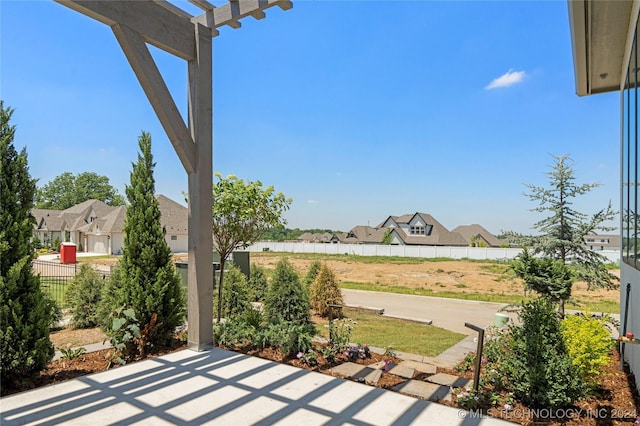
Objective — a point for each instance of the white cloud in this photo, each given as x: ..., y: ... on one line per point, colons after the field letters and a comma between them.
x: 507, y: 79
x: 313, y: 201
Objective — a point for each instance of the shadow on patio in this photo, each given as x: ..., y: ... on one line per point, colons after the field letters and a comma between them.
x: 220, y: 387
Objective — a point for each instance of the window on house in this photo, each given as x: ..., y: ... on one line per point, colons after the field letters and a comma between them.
x: 416, y: 230
x: 174, y: 237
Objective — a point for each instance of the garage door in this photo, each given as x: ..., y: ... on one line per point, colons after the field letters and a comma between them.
x: 98, y: 244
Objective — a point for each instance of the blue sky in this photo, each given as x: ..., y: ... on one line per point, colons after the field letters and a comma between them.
x: 357, y: 110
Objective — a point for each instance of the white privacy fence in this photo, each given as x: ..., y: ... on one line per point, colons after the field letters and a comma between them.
x: 476, y: 253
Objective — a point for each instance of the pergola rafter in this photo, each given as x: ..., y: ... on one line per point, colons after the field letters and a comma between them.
x: 166, y: 26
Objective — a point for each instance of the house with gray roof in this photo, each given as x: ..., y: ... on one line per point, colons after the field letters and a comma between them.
x: 409, y: 229
x: 420, y: 229
x: 99, y: 228
x: 361, y: 235
x: 476, y: 236
x: 318, y: 237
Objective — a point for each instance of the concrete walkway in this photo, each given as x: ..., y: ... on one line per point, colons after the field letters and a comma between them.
x: 219, y: 387
x: 450, y: 314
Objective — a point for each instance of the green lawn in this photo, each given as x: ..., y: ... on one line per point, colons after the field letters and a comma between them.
x: 55, y: 288
x: 401, y: 335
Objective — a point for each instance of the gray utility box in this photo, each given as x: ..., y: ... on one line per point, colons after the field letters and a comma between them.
x: 239, y: 258
x: 183, y: 269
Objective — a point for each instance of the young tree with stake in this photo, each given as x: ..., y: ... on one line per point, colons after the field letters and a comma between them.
x: 242, y: 212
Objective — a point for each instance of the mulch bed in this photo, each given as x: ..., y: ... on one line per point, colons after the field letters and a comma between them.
x: 88, y: 363
x: 615, y: 402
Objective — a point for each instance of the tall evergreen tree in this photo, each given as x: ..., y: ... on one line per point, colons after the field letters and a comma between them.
x: 563, y: 231
x: 25, y: 312
x: 146, y: 279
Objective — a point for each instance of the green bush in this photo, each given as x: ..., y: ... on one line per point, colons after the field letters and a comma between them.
x: 588, y: 343
x: 56, y: 244
x: 324, y: 291
x: 287, y: 300
x: 236, y: 299
x: 26, y: 316
x: 258, y: 284
x: 538, y: 369
x: 287, y: 336
x: 108, y: 302
x: 312, y: 273
x: 233, y: 332
x: 83, y: 297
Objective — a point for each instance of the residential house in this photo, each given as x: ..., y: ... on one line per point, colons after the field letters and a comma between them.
x: 317, y: 237
x: 604, y: 37
x: 408, y: 229
x: 361, y: 235
x: 602, y: 242
x: 420, y: 229
x: 99, y: 228
x: 476, y: 236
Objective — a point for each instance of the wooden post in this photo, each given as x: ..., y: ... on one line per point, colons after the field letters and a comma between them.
x: 200, y: 288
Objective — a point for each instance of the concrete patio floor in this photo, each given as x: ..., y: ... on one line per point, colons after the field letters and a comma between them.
x: 220, y: 387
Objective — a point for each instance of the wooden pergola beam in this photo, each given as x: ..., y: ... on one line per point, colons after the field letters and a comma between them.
x: 158, y: 94
x: 158, y: 26
x: 231, y: 13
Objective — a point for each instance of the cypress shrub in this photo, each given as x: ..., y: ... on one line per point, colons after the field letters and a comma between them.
x: 325, y: 291
x: 146, y: 279
x: 83, y: 297
x: 25, y: 312
x: 236, y: 298
x: 312, y: 273
x: 258, y: 283
x: 287, y: 299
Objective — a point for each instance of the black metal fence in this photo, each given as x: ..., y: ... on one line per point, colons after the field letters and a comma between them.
x: 54, y: 278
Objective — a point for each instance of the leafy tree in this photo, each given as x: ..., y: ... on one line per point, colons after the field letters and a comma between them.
x: 280, y: 233
x: 67, y: 190
x: 25, y: 312
x: 562, y: 232
x: 386, y: 240
x: 325, y: 291
x: 242, y: 212
x: 146, y: 279
x: 287, y: 299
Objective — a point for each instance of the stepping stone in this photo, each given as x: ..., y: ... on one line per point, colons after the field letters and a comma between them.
x: 357, y: 372
x: 449, y: 380
x: 403, y: 371
x: 424, y: 390
x: 420, y: 367
x: 378, y: 365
